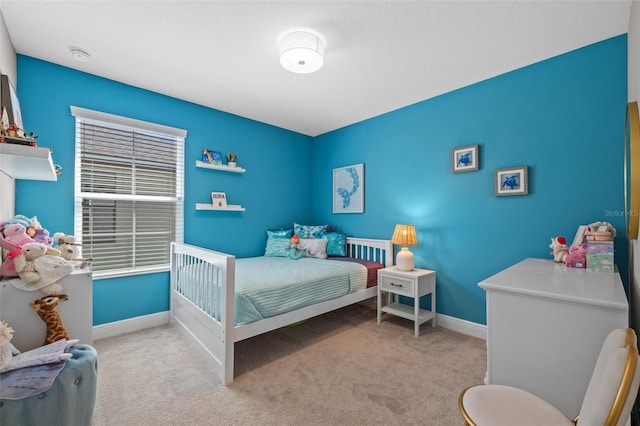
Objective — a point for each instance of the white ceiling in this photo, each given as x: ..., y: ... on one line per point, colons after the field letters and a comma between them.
x: 379, y: 55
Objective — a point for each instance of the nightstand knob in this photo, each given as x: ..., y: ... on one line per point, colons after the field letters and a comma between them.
x: 396, y: 285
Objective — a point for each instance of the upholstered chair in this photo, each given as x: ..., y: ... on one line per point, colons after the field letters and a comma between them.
x: 608, y: 400
x: 69, y: 402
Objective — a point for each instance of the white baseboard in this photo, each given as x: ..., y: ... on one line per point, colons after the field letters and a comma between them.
x: 462, y: 326
x: 129, y: 325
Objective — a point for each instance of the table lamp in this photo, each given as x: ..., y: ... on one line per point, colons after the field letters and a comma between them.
x: 404, y: 235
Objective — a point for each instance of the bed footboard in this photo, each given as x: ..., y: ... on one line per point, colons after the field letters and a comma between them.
x: 202, y: 289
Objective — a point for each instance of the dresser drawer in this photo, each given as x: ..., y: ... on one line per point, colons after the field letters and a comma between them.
x: 397, y: 285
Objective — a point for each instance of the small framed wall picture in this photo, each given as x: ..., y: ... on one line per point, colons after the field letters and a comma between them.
x: 511, y: 181
x: 464, y: 159
x: 348, y: 189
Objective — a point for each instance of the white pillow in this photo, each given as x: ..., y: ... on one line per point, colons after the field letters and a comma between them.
x: 316, y: 247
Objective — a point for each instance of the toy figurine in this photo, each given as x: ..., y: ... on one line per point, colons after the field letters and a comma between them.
x: 295, y: 250
x: 559, y: 249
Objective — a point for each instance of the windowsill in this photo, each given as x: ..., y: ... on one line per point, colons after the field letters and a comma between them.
x: 129, y: 272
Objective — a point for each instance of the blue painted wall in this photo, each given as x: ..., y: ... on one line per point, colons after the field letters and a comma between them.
x: 563, y: 118
x: 271, y: 156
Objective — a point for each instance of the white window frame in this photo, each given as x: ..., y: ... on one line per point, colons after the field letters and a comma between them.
x: 125, y: 123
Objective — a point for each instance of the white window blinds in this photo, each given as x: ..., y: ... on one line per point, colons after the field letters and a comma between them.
x: 129, y: 180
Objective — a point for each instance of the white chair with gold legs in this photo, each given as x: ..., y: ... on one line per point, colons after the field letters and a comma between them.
x: 608, y: 401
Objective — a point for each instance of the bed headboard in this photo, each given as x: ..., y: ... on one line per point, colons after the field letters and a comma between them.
x: 370, y: 249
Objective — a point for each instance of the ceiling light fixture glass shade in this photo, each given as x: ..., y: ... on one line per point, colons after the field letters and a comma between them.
x: 301, y: 52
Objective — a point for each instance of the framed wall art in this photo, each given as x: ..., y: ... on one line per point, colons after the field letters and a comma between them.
x: 511, y: 181
x: 464, y: 159
x: 348, y: 189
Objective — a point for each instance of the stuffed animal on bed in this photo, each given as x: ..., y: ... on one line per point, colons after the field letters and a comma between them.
x: 40, y: 267
x: 295, y: 250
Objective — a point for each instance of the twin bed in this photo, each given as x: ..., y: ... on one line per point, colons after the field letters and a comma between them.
x: 218, y: 300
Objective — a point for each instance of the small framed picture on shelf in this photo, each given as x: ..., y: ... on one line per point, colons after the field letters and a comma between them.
x: 511, y: 181
x: 219, y: 200
x: 212, y: 157
x: 464, y: 159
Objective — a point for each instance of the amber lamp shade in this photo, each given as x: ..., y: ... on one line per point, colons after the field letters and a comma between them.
x: 404, y: 235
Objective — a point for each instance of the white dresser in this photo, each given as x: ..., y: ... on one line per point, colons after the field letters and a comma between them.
x: 545, y: 326
x: 76, y: 313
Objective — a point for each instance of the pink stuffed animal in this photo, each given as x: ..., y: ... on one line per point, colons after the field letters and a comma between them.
x: 16, y: 234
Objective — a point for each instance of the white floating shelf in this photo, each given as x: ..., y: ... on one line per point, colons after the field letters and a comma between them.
x: 222, y: 167
x: 230, y: 207
x: 27, y: 162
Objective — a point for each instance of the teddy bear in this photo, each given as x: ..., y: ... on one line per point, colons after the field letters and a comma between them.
x: 69, y: 249
x: 40, y: 267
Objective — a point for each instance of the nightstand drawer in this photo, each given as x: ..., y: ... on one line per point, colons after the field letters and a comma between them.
x: 397, y: 285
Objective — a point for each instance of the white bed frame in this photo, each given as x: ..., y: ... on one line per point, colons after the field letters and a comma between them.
x: 197, y: 304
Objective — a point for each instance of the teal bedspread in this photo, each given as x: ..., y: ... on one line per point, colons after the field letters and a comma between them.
x: 268, y: 286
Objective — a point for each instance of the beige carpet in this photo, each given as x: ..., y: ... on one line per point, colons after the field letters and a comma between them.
x: 341, y: 368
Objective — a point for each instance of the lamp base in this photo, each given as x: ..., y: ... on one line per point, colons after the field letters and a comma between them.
x: 404, y: 260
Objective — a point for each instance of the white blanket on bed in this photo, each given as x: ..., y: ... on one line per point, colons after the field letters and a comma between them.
x: 268, y: 286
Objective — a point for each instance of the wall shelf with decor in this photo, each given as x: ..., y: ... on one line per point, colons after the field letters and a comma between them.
x: 27, y: 162
x: 229, y: 207
x: 221, y: 167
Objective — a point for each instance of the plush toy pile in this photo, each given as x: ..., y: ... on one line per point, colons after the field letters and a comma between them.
x: 27, y: 253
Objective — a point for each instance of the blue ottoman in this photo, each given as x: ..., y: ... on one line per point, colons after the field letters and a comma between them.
x: 69, y: 402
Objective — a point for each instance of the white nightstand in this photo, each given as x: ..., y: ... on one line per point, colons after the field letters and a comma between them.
x: 415, y: 283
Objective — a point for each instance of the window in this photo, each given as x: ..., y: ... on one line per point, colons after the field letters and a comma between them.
x: 129, y: 180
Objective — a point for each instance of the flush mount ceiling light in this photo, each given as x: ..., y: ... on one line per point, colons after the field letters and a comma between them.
x: 80, y: 54
x: 301, y: 52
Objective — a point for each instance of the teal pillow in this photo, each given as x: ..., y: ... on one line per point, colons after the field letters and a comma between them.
x: 280, y: 233
x: 309, y: 231
x: 277, y: 242
x: 336, y: 246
